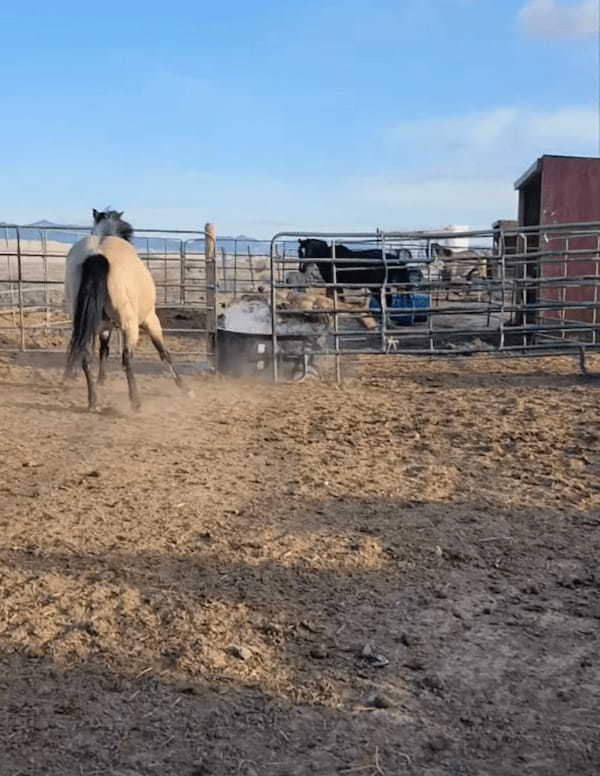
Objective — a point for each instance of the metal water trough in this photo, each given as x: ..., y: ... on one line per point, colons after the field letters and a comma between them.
x: 246, y: 354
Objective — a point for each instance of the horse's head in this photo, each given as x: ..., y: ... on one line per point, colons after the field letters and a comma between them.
x: 312, y: 249
x: 110, y: 222
x: 302, y: 252
x: 404, y: 254
x: 439, y: 251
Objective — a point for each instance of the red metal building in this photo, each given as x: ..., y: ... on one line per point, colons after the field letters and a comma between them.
x: 562, y: 190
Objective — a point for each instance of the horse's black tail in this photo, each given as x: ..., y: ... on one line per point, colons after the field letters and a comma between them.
x: 92, y: 300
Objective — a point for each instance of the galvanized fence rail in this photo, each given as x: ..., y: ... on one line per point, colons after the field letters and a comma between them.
x: 531, y: 291
x: 32, y: 268
x: 190, y: 288
x: 537, y: 297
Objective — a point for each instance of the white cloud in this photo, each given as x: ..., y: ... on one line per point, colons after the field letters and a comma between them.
x: 421, y: 202
x: 507, y: 132
x: 464, y: 165
x: 560, y: 19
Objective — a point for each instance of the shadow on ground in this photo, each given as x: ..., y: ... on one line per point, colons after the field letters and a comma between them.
x: 374, y: 636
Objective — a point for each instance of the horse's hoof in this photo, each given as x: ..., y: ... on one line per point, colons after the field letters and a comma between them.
x: 308, y: 374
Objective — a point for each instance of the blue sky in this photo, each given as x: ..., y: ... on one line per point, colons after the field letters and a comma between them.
x: 269, y: 115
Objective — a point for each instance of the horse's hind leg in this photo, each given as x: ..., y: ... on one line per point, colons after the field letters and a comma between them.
x: 130, y: 336
x: 104, y: 351
x: 134, y: 396
x: 154, y: 329
x: 89, y: 378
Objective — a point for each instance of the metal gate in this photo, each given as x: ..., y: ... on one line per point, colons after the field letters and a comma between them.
x: 530, y: 291
x: 32, y: 268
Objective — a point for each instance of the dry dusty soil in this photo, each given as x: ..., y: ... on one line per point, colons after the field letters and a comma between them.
x: 399, y: 576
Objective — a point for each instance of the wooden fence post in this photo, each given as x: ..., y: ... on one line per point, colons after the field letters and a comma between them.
x: 251, y: 268
x: 210, y: 253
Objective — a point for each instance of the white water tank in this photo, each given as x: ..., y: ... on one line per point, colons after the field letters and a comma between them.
x: 457, y: 243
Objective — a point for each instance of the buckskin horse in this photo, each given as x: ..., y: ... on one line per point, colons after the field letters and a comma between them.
x: 107, y: 285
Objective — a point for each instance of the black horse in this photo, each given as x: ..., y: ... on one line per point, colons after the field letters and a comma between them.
x: 369, y: 273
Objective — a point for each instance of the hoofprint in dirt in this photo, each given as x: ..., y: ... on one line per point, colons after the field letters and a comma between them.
x: 398, y: 576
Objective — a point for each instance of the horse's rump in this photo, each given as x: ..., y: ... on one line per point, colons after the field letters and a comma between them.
x: 130, y: 285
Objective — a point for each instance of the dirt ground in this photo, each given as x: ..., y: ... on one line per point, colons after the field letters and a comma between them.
x: 399, y: 576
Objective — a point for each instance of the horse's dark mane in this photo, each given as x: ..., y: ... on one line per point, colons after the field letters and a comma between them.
x: 125, y: 230
x: 121, y: 228
x: 440, y: 250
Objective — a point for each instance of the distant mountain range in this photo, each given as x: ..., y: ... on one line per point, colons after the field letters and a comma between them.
x: 150, y: 244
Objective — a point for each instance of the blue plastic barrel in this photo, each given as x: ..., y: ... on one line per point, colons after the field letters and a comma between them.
x: 404, y: 310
